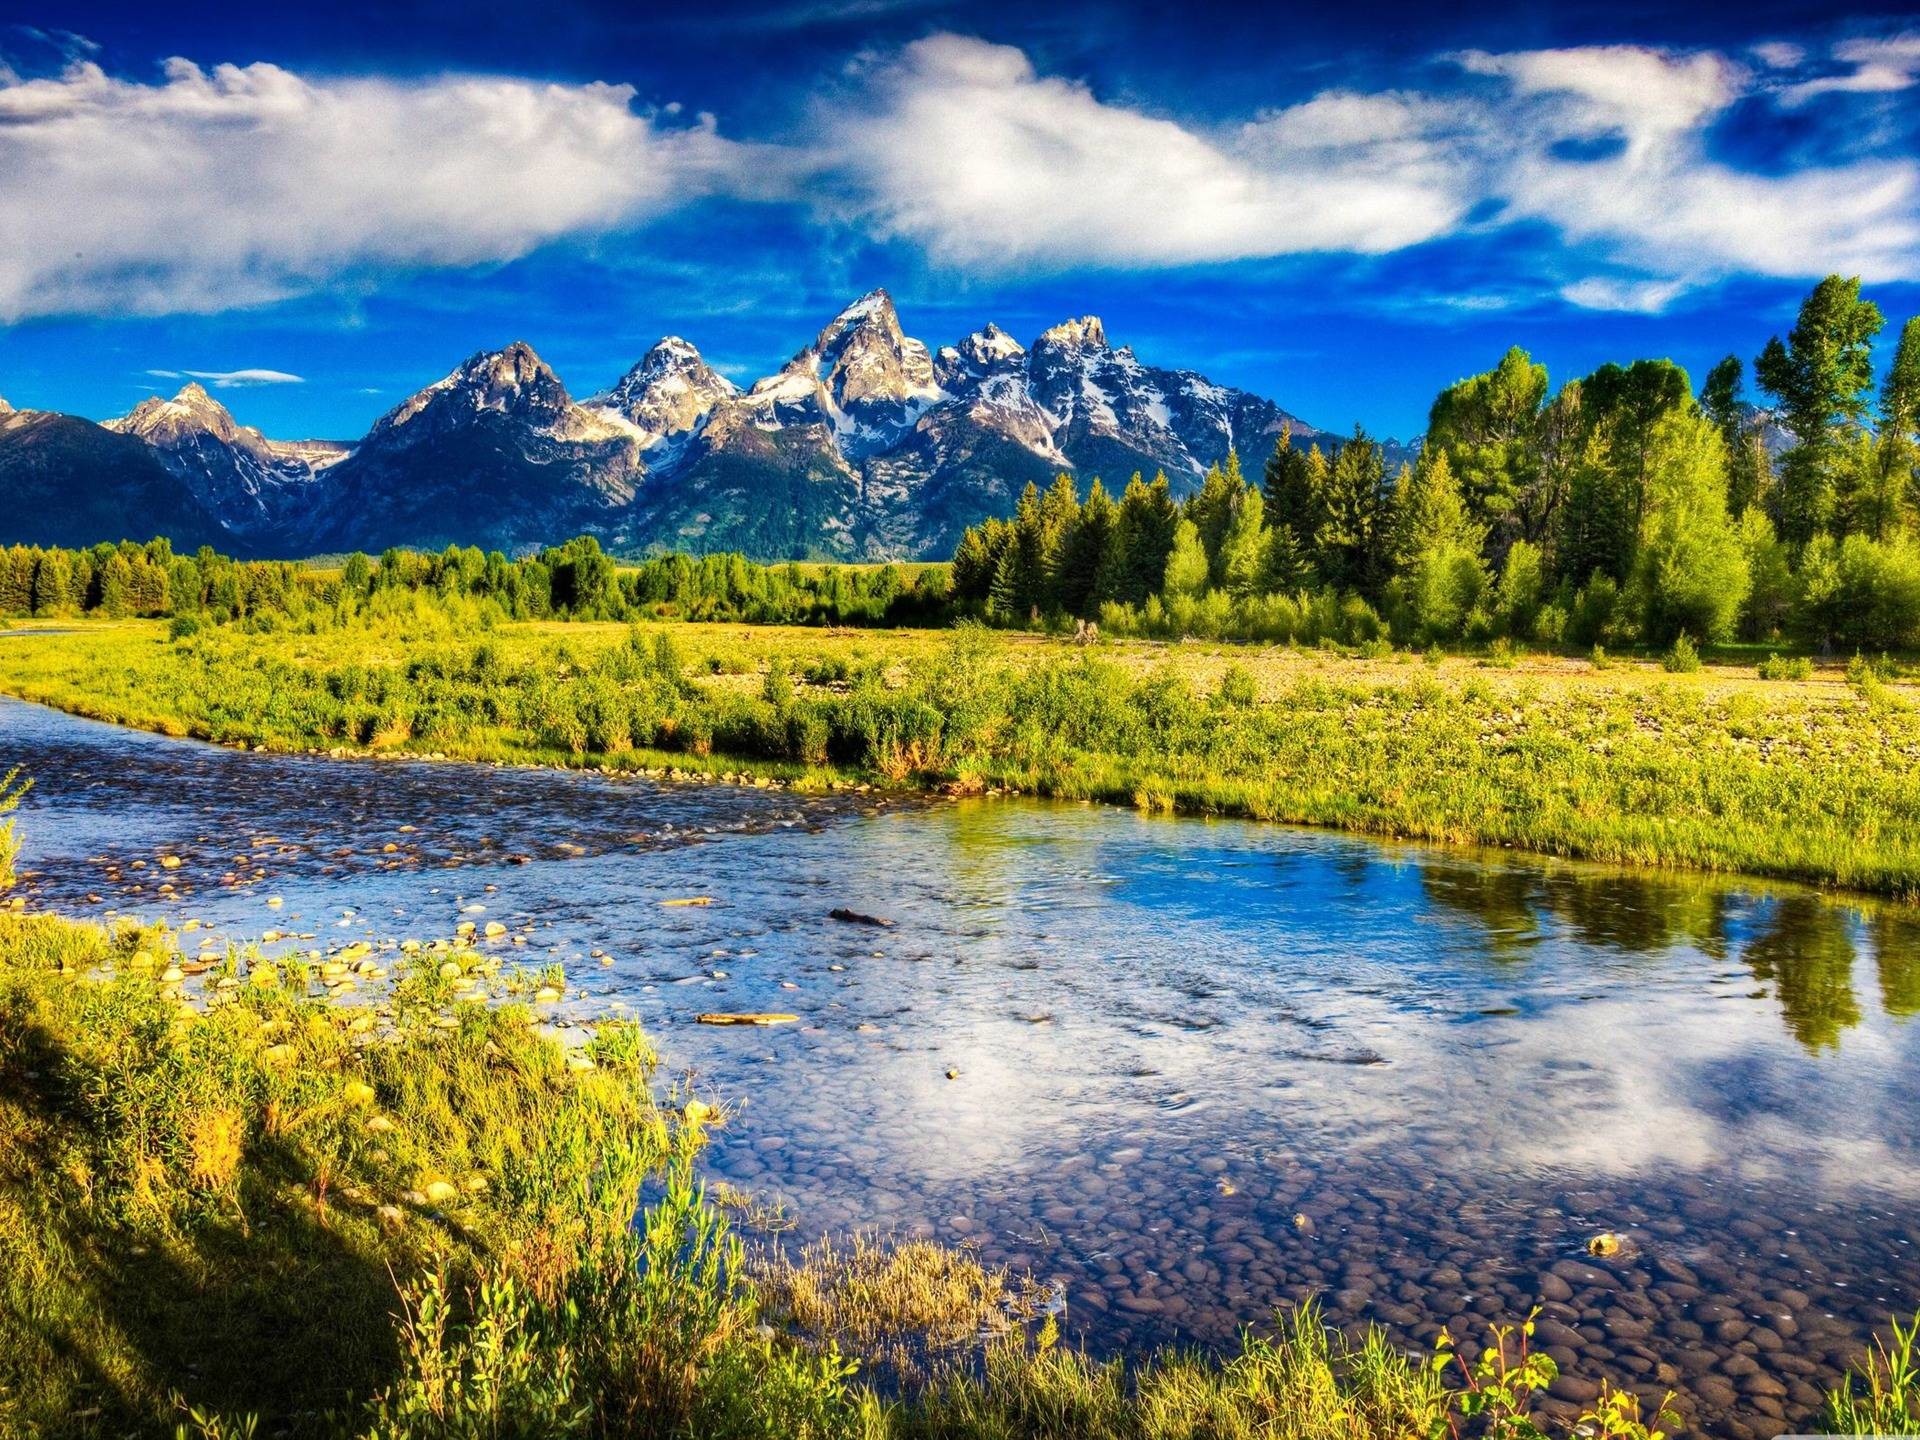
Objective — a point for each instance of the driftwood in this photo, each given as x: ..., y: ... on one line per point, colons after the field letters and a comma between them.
x: 854, y: 917
x: 754, y: 1017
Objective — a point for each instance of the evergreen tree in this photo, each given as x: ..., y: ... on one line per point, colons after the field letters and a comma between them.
x: 1350, y: 547
x: 116, y: 588
x: 1899, y: 441
x: 1429, y: 512
x: 1243, y: 549
x: 1136, y: 559
x: 1186, y: 572
x: 1286, y: 567
x: 16, y: 581
x: 1820, y: 374
x: 1720, y: 399
x: 1077, y: 572
x: 1286, y: 487
x: 1211, y: 511
x: 1596, y: 531
x: 53, y: 583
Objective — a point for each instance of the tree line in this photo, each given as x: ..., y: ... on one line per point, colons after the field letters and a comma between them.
x: 1623, y: 508
x: 577, y: 580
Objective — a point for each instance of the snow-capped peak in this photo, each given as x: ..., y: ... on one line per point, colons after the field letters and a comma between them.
x: 1086, y: 333
x: 192, y: 411
x: 669, y: 392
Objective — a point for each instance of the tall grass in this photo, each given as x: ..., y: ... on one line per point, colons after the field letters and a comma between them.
x: 1804, y: 781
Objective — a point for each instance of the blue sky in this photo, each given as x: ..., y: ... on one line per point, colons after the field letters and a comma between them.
x: 1344, y: 208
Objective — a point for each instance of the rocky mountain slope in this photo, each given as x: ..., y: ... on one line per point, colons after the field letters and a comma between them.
x: 865, y: 445
x: 255, y: 485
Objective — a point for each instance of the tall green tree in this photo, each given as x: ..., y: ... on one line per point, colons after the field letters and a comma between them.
x: 1286, y: 486
x: 1488, y: 425
x: 1690, y: 571
x: 1350, y: 546
x: 1136, y: 560
x: 1820, y: 374
x: 1186, y: 572
x: 1898, y: 445
x: 1243, y: 549
x: 1212, y: 507
x: 1077, y: 570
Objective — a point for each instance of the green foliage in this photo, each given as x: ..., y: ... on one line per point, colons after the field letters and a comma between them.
x: 1682, y: 658
x: 1881, y: 1396
x: 1794, y: 667
x: 1187, y: 563
x: 1488, y: 427
x: 12, y: 788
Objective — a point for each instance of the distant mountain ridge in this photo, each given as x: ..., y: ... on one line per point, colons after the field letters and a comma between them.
x: 866, y: 445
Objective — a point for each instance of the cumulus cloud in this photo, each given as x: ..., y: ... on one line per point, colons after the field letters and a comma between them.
x: 232, y: 379
x: 963, y: 147
x: 242, y: 184
x: 203, y: 189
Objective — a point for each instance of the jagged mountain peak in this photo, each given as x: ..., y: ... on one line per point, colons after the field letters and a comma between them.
x: 862, y: 377
x: 1085, y: 333
x: 512, y: 380
x: 191, y: 412
x: 670, y: 391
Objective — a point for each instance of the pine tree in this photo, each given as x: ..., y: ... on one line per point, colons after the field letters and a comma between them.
x: 1350, y: 547
x: 1186, y: 572
x: 1898, y: 456
x: 1286, y: 566
x: 1077, y: 572
x: 1429, y: 512
x: 1285, y: 486
x: 1243, y: 549
x: 1136, y: 560
x: 16, y: 581
x: 1211, y: 511
x: 53, y: 584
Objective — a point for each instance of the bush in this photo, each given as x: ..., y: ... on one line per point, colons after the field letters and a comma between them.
x: 1682, y: 659
x: 1796, y: 667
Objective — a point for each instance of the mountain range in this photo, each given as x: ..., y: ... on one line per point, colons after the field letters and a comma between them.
x: 866, y: 445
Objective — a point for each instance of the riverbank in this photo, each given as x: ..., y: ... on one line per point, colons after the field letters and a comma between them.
x: 1815, y: 779
x: 370, y: 1194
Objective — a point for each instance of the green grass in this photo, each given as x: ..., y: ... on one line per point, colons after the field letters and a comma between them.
x: 1813, y: 779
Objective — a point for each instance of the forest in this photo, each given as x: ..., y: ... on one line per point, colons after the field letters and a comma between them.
x: 1625, y: 509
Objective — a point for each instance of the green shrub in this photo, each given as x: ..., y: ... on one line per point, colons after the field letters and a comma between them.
x: 1682, y: 658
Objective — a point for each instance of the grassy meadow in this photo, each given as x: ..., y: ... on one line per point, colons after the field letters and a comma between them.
x: 1814, y: 777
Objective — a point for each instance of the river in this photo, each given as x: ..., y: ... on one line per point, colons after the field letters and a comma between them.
x: 1191, y: 1070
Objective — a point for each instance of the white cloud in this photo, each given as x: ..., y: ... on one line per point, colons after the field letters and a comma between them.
x: 1655, y: 198
x: 1881, y: 66
x: 1638, y: 297
x: 963, y: 147
x: 210, y: 189
x: 232, y: 379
